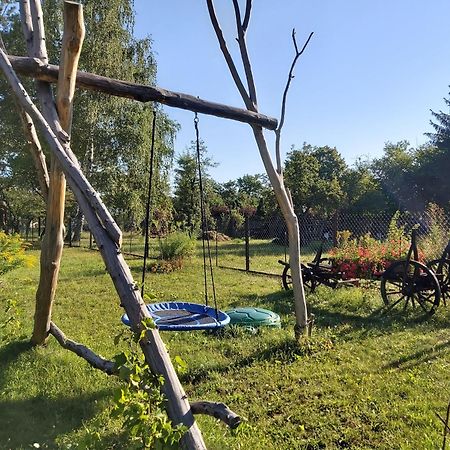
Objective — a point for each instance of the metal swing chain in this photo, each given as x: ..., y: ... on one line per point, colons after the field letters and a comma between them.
x: 148, y: 205
x: 204, y: 223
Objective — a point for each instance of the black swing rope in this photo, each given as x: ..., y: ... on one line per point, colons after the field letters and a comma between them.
x: 205, y: 232
x: 148, y: 206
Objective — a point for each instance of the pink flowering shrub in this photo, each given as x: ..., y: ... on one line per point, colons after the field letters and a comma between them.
x: 366, y: 257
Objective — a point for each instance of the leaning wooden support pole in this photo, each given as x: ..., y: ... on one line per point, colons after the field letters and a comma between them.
x: 47, y: 72
x: 178, y: 407
x: 53, y: 242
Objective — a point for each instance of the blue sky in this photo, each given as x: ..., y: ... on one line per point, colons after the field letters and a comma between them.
x: 371, y: 73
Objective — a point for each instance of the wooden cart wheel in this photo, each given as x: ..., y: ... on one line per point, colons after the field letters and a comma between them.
x: 309, y: 282
x: 410, y: 284
x: 441, y: 268
x: 286, y: 277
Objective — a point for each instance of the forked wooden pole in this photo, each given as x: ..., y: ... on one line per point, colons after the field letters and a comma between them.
x: 53, y: 242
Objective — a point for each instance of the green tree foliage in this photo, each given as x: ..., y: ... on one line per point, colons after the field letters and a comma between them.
x: 315, y: 177
x: 363, y: 190
x: 434, y: 161
x: 186, y: 199
x: 395, y: 171
x: 110, y: 136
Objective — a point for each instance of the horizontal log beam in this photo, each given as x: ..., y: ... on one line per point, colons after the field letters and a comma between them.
x: 35, y: 68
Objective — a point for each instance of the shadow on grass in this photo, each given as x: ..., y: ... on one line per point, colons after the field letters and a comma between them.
x: 39, y: 419
x: 10, y: 352
x: 280, y: 302
x: 286, y: 351
x: 423, y: 355
x: 378, y: 320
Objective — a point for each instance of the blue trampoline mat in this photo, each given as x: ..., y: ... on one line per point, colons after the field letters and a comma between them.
x: 184, y: 316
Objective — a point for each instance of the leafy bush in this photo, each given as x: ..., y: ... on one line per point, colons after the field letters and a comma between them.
x: 12, y: 252
x: 176, y: 245
x: 437, y: 237
x: 139, y: 402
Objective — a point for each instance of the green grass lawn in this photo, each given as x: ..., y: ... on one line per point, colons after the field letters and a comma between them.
x: 363, y: 381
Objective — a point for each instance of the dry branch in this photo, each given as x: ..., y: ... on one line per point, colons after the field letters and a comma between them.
x: 285, y: 93
x: 248, y: 10
x: 53, y: 243
x: 229, y: 59
x: 96, y: 361
x: 244, y: 53
x: 218, y: 410
x: 215, y: 409
x: 275, y: 176
x: 48, y: 72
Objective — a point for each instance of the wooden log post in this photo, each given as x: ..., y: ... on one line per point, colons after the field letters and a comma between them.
x: 53, y: 242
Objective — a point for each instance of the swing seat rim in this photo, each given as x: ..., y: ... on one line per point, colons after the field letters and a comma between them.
x: 218, y: 318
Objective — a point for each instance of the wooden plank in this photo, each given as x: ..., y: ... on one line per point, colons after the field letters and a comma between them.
x: 48, y: 72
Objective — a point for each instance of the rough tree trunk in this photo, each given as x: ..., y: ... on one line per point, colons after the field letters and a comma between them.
x: 53, y: 241
x: 86, y: 167
x: 287, y: 209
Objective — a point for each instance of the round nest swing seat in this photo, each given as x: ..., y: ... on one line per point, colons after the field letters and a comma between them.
x: 184, y: 316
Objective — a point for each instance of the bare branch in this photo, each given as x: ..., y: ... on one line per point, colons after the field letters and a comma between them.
x: 248, y: 9
x: 215, y: 409
x: 229, y: 60
x: 218, y: 410
x: 285, y: 93
x: 96, y: 361
x: 244, y: 54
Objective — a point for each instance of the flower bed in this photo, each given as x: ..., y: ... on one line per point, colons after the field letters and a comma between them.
x: 367, y: 257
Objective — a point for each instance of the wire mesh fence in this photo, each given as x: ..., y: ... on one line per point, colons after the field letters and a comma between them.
x: 256, y: 244
x: 262, y: 242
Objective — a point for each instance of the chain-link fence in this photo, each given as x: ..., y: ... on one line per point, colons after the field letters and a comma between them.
x: 256, y: 244
x: 261, y: 242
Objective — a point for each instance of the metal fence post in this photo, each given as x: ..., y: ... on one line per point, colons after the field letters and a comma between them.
x: 247, y: 243
x: 70, y: 231
x: 217, y: 249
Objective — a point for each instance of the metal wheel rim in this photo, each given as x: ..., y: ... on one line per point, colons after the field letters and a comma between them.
x: 421, y: 292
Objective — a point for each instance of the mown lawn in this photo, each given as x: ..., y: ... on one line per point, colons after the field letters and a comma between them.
x: 363, y: 381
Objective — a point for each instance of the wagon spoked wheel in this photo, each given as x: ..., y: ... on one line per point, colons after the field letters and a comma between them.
x: 410, y: 284
x: 308, y: 279
x: 286, y: 277
x: 441, y: 268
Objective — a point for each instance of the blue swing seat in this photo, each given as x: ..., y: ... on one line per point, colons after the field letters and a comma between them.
x: 184, y: 316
